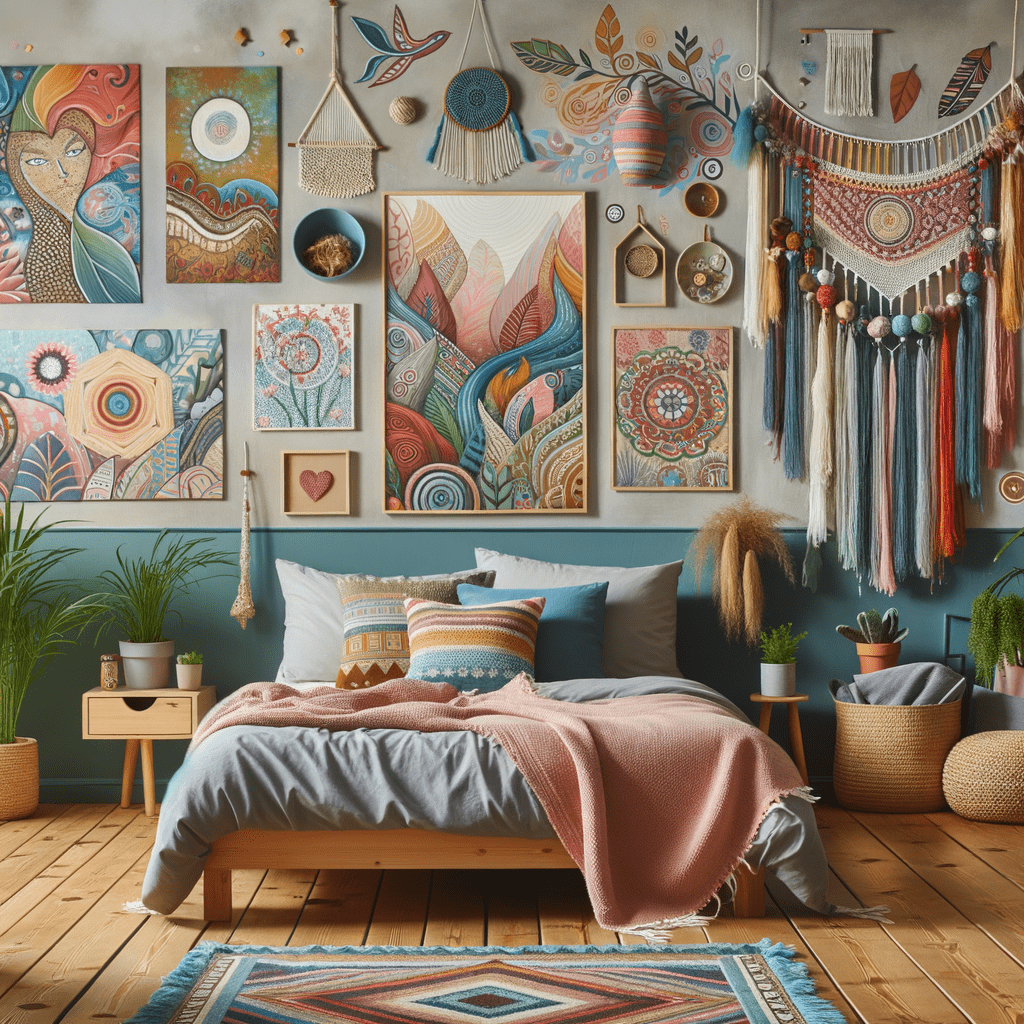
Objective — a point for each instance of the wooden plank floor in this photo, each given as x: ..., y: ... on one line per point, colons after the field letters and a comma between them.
x: 953, y: 954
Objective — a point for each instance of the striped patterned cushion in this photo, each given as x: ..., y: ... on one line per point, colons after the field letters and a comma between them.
x: 376, y: 645
x: 482, y: 646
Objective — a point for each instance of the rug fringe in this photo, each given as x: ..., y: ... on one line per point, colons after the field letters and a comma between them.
x: 798, y: 984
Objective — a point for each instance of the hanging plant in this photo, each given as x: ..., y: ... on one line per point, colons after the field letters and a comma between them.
x: 736, y: 537
x: 997, y: 624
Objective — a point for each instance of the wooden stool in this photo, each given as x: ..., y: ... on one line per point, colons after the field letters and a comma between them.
x: 796, y: 739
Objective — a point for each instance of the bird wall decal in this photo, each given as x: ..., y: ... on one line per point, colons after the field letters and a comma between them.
x: 404, y: 47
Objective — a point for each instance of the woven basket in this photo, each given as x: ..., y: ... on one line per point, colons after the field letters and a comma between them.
x: 641, y: 260
x: 983, y: 778
x: 889, y: 758
x: 19, y: 778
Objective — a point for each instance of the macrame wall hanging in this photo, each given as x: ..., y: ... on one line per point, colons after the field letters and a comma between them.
x: 885, y: 285
x: 848, y: 70
x: 336, y: 148
x: 479, y: 138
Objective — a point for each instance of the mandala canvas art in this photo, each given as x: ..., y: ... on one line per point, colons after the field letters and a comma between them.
x: 672, y: 419
x: 485, y: 365
x: 69, y: 183
x: 303, y: 366
x: 111, y: 415
x: 222, y: 175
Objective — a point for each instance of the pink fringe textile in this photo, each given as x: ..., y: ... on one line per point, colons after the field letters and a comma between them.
x: 656, y: 798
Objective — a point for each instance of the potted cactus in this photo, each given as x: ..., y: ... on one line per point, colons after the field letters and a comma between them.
x: 878, y: 639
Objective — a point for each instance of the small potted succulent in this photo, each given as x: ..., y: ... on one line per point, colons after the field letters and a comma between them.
x: 190, y: 670
x: 778, y: 661
x: 878, y: 639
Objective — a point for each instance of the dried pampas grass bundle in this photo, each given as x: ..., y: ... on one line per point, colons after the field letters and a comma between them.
x: 329, y: 255
x: 736, y: 536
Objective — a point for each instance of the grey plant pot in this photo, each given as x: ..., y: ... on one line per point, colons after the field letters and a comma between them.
x: 147, y: 666
x: 778, y: 680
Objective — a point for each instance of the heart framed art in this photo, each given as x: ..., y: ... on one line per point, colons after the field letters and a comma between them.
x: 315, y: 483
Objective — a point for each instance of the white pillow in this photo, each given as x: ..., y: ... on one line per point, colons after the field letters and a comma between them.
x: 640, y: 609
x: 314, y: 628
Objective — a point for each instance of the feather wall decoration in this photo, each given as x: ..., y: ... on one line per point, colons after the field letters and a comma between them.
x: 966, y: 82
x: 904, y: 89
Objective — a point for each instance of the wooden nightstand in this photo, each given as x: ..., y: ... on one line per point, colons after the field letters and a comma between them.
x: 139, y: 717
x: 796, y: 739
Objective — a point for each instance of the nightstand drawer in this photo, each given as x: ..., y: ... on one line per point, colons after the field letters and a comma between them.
x: 152, y: 716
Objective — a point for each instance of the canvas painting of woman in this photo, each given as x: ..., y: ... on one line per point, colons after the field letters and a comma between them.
x: 70, y: 228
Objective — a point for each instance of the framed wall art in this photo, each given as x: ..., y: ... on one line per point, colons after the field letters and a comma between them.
x: 70, y: 229
x: 672, y: 422
x: 112, y: 415
x: 315, y: 483
x: 484, y: 299
x: 222, y: 175
x: 303, y: 367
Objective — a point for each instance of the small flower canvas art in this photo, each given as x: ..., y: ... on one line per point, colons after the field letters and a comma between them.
x: 672, y: 417
x: 303, y: 367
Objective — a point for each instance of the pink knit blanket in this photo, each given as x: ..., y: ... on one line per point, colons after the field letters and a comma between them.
x: 656, y: 798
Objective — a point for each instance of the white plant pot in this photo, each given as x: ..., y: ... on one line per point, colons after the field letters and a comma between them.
x: 190, y: 677
x: 778, y: 680
x: 147, y: 666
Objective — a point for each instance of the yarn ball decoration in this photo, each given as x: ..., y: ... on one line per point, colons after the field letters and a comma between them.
x: 845, y: 311
x: 922, y: 323
x: 403, y: 110
x: 761, y: 132
x: 990, y: 234
x: 477, y: 99
x: 954, y: 300
x: 970, y: 282
x: 879, y: 327
x: 825, y: 276
x: 807, y: 283
x: 794, y: 241
x: 901, y: 325
x: 827, y: 296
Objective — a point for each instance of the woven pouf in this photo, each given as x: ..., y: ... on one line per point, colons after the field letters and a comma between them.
x: 983, y: 778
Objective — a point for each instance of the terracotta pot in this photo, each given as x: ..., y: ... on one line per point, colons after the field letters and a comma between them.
x: 1010, y: 679
x: 19, y: 778
x: 876, y: 656
x: 778, y: 680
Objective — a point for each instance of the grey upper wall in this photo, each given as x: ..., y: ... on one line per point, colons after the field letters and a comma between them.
x: 934, y: 35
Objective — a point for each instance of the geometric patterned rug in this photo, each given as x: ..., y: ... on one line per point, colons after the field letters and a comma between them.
x: 709, y: 984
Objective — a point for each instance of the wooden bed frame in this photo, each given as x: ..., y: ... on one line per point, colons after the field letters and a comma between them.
x: 400, y: 849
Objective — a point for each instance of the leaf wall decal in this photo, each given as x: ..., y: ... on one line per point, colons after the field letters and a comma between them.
x: 545, y: 57
x: 966, y: 82
x: 607, y: 36
x: 903, y: 92
x: 46, y: 472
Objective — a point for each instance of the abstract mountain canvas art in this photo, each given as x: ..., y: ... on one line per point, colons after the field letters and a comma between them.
x: 485, y: 360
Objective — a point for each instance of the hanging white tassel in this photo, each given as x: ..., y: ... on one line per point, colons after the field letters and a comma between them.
x: 848, y: 60
x: 757, y: 238
x: 820, y: 463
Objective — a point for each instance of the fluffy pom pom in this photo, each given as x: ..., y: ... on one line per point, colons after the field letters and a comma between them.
x: 970, y: 282
x: 807, y: 283
x: 954, y: 300
x: 742, y: 138
x: 794, y: 241
x: 879, y: 327
x: 846, y: 311
x: 827, y: 296
x: 922, y: 323
x: 825, y: 276
x: 760, y: 132
x: 990, y: 234
x: 901, y: 325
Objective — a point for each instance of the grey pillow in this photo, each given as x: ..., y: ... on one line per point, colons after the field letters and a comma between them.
x: 640, y: 609
x: 314, y: 626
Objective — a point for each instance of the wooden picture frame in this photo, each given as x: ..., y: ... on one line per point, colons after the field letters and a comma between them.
x: 300, y: 494
x: 620, y: 270
x: 484, y: 297
x: 672, y: 415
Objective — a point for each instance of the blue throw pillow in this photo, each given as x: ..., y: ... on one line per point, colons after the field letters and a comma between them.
x: 571, y: 632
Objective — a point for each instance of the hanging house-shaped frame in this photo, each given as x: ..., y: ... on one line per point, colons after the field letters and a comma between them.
x: 639, y: 254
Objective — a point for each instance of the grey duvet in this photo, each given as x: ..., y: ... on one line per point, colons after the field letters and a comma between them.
x: 306, y: 779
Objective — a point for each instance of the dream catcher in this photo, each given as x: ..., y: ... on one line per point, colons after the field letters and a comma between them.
x: 479, y: 138
x: 886, y: 284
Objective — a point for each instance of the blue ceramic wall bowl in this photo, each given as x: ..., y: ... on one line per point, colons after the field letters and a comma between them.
x: 328, y: 221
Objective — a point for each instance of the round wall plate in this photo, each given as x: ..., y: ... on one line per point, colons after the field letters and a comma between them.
x: 614, y: 213
x: 1011, y: 487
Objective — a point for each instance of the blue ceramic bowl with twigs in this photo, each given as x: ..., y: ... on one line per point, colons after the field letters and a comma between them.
x: 321, y: 224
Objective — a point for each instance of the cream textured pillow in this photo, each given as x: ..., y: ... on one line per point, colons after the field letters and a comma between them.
x: 314, y: 628
x: 639, y: 612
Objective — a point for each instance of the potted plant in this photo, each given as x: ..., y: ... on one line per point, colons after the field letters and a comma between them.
x: 140, y: 594
x: 878, y: 640
x: 996, y: 635
x: 190, y: 670
x: 778, y: 661
x: 38, y: 617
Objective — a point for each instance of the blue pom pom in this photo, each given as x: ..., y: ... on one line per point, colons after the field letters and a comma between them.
x: 743, y: 138
x: 901, y: 325
x: 970, y: 282
x: 971, y: 301
x: 761, y: 132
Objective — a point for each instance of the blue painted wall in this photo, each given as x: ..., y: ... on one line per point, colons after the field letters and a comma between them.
x: 75, y: 769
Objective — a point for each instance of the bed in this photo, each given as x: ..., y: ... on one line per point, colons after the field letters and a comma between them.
x: 300, y: 797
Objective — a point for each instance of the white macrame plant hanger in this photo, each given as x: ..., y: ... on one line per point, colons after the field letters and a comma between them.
x: 336, y: 148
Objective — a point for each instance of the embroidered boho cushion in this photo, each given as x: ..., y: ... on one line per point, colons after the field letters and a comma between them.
x: 376, y: 641
x: 480, y: 647
x: 571, y: 632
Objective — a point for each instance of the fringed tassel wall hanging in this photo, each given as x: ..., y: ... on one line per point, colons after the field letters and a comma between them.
x: 923, y: 405
x: 904, y: 469
x: 479, y: 138
x: 848, y: 72
x: 757, y: 256
x: 945, y: 443
x: 336, y: 148
x: 820, y: 454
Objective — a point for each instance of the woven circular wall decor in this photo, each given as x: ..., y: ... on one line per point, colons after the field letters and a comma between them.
x: 1011, y: 487
x: 641, y: 260
x: 477, y: 99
